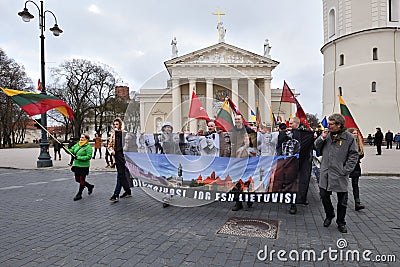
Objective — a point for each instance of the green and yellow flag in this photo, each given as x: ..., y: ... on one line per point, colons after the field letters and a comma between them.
x: 349, y: 120
x: 224, y: 117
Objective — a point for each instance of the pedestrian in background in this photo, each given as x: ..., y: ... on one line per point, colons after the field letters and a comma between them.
x: 71, y: 142
x: 115, y: 147
x: 370, y: 139
x: 397, y: 140
x: 339, y: 158
x: 57, y: 149
x: 83, y: 153
x: 98, y: 143
x: 389, y: 139
x: 356, y: 173
x: 378, y: 138
x: 109, y: 158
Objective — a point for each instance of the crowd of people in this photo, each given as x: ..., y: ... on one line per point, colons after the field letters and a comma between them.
x: 377, y: 139
x: 341, y: 150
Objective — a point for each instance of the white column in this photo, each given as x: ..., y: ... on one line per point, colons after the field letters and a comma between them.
x: 209, y: 97
x: 192, y: 122
x: 235, y: 91
x: 251, y: 101
x: 143, y: 116
x: 176, y: 104
x: 265, y: 112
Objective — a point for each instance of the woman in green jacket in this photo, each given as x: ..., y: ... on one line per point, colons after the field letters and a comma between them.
x: 83, y: 153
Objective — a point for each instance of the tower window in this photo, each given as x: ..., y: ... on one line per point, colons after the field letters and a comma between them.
x: 393, y: 11
x: 341, y: 60
x: 375, y: 53
x: 331, y: 23
x: 340, y: 91
x: 373, y: 87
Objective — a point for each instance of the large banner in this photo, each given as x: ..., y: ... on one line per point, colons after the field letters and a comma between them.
x: 263, y: 166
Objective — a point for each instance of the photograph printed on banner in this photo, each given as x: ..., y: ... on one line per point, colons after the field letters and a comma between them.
x: 266, y: 143
x: 191, y: 145
x: 146, y: 143
x: 129, y: 140
x: 209, y: 145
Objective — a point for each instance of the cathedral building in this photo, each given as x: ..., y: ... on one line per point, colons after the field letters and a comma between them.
x: 213, y: 73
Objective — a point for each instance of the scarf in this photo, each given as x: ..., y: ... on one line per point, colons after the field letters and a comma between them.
x: 82, y: 143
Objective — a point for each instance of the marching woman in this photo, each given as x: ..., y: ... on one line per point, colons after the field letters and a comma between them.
x: 356, y: 173
x: 83, y: 153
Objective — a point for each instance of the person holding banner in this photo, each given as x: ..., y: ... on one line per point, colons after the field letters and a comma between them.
x: 210, y: 129
x: 115, y: 148
x: 82, y: 152
x: 240, y: 144
x: 339, y: 158
x: 306, y: 139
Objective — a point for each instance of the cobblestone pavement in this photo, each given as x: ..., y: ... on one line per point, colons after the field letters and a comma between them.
x: 40, y: 225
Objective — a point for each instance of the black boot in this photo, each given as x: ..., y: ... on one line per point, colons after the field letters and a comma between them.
x: 293, y: 209
x: 89, y: 187
x: 79, y: 194
x: 359, y: 206
x: 238, y: 206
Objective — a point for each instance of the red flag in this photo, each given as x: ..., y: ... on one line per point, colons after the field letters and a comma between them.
x: 39, y: 85
x: 197, y: 110
x: 301, y: 114
x: 287, y: 94
x: 236, y: 110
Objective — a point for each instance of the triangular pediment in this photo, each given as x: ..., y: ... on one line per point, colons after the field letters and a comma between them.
x: 221, y: 53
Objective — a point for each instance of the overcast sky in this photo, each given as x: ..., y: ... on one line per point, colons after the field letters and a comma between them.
x: 134, y: 37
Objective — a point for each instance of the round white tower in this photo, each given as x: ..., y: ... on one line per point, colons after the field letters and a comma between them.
x: 361, y: 61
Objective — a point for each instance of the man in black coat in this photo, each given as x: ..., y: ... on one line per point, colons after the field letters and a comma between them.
x: 389, y: 139
x: 378, y: 140
x: 306, y: 138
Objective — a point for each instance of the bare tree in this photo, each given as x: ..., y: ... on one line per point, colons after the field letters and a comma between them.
x: 86, y: 87
x: 132, y: 114
x: 12, y: 76
x: 116, y: 107
x: 313, y: 120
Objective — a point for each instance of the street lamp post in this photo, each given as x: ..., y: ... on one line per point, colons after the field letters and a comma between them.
x: 44, y: 159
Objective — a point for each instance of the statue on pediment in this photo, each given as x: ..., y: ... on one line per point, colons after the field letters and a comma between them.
x: 267, y: 49
x: 174, y: 48
x: 221, y: 32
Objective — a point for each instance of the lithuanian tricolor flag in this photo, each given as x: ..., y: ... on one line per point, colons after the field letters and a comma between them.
x: 349, y: 120
x: 35, y: 104
x: 224, y: 118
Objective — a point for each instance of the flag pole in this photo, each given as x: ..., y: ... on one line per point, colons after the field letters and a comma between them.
x: 279, y: 109
x: 55, y: 139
